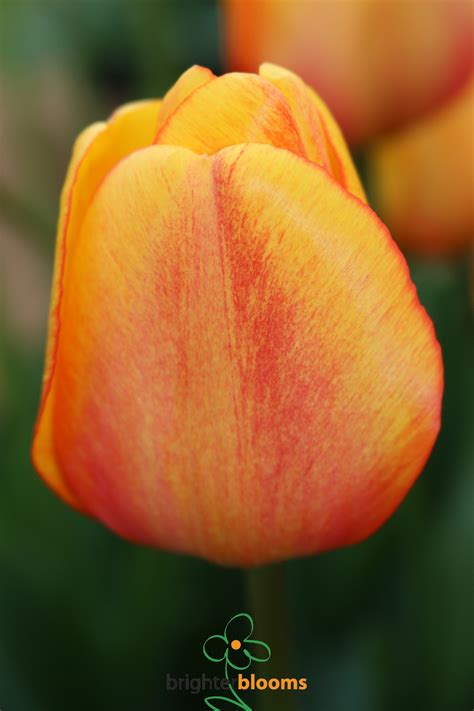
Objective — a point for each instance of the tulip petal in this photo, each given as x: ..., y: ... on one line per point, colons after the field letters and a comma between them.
x: 340, y: 372
x: 96, y: 150
x: 188, y: 82
x: 246, y: 373
x: 232, y: 109
x: 323, y: 141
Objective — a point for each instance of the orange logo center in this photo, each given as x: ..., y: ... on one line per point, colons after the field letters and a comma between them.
x: 236, y: 644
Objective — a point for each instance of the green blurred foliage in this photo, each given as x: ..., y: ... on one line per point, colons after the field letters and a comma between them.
x: 90, y: 621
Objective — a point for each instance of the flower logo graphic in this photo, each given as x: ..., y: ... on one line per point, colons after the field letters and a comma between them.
x: 237, y: 649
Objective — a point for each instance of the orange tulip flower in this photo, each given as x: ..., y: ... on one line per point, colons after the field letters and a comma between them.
x: 238, y: 366
x: 377, y: 63
x: 423, y: 180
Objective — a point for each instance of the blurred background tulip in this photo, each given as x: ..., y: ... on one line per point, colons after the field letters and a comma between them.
x: 377, y: 63
x: 88, y: 620
x: 395, y: 73
x: 422, y: 179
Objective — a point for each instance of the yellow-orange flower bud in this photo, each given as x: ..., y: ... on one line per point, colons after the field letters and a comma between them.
x: 238, y: 366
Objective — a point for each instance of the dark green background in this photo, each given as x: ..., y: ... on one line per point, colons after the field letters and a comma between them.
x: 88, y: 621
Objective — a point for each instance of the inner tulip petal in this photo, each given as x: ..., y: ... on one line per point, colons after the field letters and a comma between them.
x: 188, y: 82
x: 232, y: 109
x: 322, y: 137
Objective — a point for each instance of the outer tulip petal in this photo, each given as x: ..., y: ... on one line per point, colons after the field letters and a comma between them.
x: 95, y: 152
x: 323, y: 141
x: 423, y: 180
x: 43, y: 454
x: 217, y: 371
x: 376, y: 63
x: 235, y: 108
x: 340, y: 372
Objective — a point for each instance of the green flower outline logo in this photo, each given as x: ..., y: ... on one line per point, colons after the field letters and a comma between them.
x: 237, y: 651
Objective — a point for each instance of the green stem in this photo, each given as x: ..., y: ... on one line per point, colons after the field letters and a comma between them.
x: 267, y: 590
x: 471, y: 278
